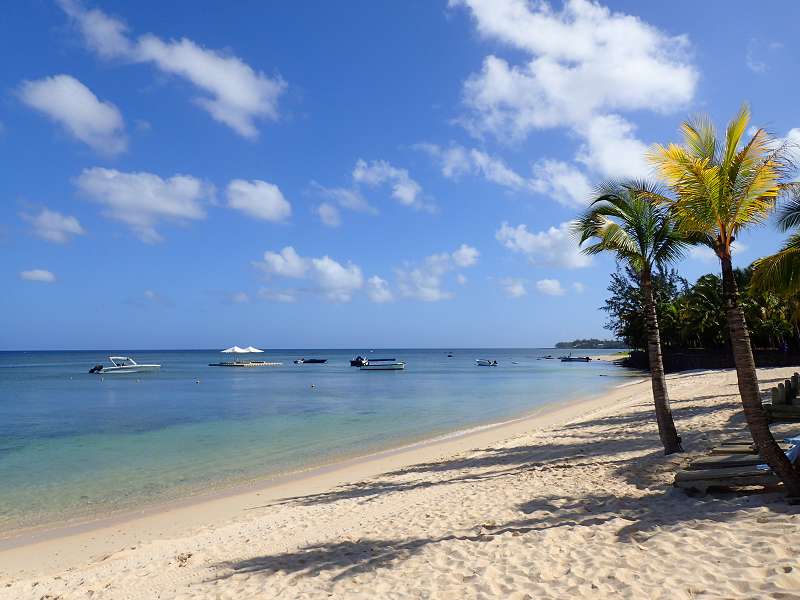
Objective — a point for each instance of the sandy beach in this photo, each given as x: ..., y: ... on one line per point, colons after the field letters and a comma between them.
x: 574, y: 502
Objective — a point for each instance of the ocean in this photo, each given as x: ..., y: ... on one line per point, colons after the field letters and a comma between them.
x: 76, y: 446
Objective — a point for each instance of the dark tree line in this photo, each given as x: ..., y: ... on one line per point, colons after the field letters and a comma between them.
x: 693, y: 315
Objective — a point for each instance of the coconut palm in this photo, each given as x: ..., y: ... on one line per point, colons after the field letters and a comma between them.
x: 780, y: 272
x: 720, y: 188
x: 622, y: 222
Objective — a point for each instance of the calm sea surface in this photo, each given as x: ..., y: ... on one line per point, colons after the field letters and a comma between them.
x: 77, y: 446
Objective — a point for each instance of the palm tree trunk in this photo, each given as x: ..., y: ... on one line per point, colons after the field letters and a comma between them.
x: 748, y: 386
x: 666, y: 426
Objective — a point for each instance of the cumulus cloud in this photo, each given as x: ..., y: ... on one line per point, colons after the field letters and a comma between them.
x: 329, y: 214
x: 562, y: 182
x: 513, y: 288
x: 582, y: 68
x: 234, y: 93
x: 379, y: 172
x: 54, y: 226
x: 83, y: 115
x: 424, y: 281
x: 465, y: 256
x: 286, y: 263
x: 258, y: 199
x: 40, y: 275
x: 336, y: 281
x: 554, y: 246
x: 378, y: 290
x: 349, y: 198
x: 550, y: 287
x: 141, y: 200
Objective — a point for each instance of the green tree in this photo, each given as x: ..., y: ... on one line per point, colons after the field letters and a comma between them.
x: 720, y: 188
x: 622, y: 222
x: 780, y: 273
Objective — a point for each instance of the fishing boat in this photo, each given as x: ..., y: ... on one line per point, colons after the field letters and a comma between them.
x: 122, y: 364
x: 311, y: 361
x: 485, y: 362
x: 383, y: 366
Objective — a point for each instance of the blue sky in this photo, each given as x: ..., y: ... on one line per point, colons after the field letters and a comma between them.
x: 345, y: 174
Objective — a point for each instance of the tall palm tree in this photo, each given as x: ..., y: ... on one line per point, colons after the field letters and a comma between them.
x: 780, y: 273
x: 642, y: 234
x: 720, y: 188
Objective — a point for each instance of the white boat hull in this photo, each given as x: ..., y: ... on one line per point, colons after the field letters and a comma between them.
x: 130, y: 369
x: 398, y: 366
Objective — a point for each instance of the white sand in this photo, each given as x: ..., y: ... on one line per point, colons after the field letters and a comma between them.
x: 558, y: 506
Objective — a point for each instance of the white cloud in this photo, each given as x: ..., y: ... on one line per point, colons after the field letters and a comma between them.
x: 236, y: 94
x: 550, y: 287
x: 72, y: 105
x: 578, y: 287
x: 378, y: 290
x: 456, y: 161
x: 329, y: 214
x: 562, y: 182
x: 554, y: 246
x: 286, y: 263
x: 465, y: 256
x: 583, y: 60
x: 337, y: 282
x: 378, y: 172
x: 424, y: 281
x: 283, y: 296
x: 461, y: 279
x: 706, y: 254
x: 40, y: 275
x: 141, y: 200
x: 53, y: 226
x: 582, y: 67
x: 612, y: 150
x: 514, y: 288
x: 348, y: 198
x: 258, y: 199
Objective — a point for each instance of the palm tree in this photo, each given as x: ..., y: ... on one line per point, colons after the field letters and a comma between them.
x: 642, y: 234
x: 780, y: 273
x: 720, y: 188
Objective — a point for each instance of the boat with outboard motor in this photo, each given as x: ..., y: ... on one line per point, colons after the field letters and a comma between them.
x: 383, y: 365
x: 485, y: 362
x: 122, y: 364
x: 360, y: 361
x: 311, y: 361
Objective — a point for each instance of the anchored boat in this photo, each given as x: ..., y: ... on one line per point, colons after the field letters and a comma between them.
x: 485, y: 362
x: 383, y: 366
x: 123, y: 364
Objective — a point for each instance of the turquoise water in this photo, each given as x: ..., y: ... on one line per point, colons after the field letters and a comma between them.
x: 76, y: 446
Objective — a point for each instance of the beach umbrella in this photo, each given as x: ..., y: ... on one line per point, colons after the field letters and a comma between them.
x: 235, y: 350
x: 252, y: 349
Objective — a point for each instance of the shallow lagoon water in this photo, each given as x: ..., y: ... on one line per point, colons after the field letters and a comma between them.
x: 77, y: 446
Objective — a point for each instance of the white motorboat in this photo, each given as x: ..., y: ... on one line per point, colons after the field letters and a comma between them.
x: 383, y: 366
x: 485, y: 362
x: 123, y: 364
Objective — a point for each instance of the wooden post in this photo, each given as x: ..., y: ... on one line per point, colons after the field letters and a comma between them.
x: 791, y: 393
x: 796, y: 382
x: 781, y: 393
x: 776, y: 397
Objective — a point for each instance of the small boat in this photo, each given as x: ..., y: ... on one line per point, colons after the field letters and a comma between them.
x: 548, y: 357
x: 450, y: 355
x: 123, y: 364
x: 382, y: 365
x: 245, y: 363
x: 360, y: 361
x: 571, y: 358
x: 311, y: 361
x: 485, y: 362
